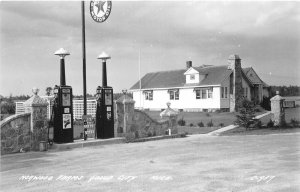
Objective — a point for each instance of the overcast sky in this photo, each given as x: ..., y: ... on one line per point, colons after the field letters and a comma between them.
x: 264, y: 34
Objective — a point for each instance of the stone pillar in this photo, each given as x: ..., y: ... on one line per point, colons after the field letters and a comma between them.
x: 277, y: 109
x: 236, y: 91
x: 125, y: 113
x: 37, y: 107
x: 171, y: 115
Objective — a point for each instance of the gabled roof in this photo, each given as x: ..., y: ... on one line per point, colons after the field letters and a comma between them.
x: 215, y: 75
x: 252, y: 76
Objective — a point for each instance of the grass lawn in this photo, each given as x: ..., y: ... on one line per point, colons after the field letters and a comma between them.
x: 226, y: 118
x: 196, y: 130
x: 263, y: 131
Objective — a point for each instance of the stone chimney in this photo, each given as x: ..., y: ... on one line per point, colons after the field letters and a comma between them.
x: 236, y: 89
x: 188, y: 64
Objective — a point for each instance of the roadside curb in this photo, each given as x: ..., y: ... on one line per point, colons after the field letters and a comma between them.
x: 157, y: 138
x: 81, y: 143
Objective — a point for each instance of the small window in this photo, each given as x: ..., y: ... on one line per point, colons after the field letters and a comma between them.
x: 224, y: 92
x: 198, y: 94
x: 149, y: 95
x: 174, y: 94
x: 204, y: 94
x: 210, y: 91
x: 192, y: 77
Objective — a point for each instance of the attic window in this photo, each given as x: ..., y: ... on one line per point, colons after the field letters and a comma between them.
x: 192, y: 77
x: 251, y: 75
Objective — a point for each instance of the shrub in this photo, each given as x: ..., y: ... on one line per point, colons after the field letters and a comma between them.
x: 246, y: 113
x: 270, y: 124
x: 181, y: 122
x: 257, y: 124
x: 210, y: 124
x: 200, y: 124
x: 221, y: 124
x: 294, y: 123
x: 207, y: 115
x: 266, y: 103
x: 191, y: 124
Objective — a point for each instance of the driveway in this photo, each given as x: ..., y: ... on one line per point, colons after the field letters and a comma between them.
x: 195, y: 163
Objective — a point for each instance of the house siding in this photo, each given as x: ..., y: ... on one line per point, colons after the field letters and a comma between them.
x: 187, y: 100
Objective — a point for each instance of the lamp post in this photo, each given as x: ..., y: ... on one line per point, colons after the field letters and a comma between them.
x: 62, y: 53
x: 103, y: 56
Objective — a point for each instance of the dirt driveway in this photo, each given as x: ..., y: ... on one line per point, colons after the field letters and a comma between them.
x: 196, y: 163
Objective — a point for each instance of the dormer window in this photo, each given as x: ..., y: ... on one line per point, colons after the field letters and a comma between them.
x: 192, y: 76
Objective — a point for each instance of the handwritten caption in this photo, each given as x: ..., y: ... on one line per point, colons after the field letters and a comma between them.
x: 262, y: 179
x: 95, y: 178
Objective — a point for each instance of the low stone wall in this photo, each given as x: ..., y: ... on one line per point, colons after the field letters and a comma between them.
x: 15, y: 133
x: 142, y: 125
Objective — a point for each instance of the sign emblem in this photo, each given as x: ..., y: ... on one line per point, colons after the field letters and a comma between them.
x: 100, y: 10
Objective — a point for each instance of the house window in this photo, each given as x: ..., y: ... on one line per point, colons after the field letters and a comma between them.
x: 148, y: 95
x: 245, y: 91
x: 192, y: 77
x: 198, y: 94
x: 203, y: 94
x: 174, y: 94
x: 224, y: 92
x: 210, y: 90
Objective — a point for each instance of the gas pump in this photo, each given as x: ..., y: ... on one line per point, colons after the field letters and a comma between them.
x: 63, y: 114
x: 63, y: 105
x: 104, y: 113
x: 104, y: 110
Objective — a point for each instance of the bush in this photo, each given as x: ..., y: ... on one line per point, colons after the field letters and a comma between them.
x: 246, y: 114
x: 258, y: 124
x: 294, y: 123
x: 200, y: 124
x: 207, y: 115
x: 210, y: 124
x: 181, y: 122
x: 270, y: 124
x: 191, y: 125
x: 266, y: 103
x: 221, y: 124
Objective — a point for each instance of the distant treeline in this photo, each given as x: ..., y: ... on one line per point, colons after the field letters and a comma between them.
x: 285, y: 90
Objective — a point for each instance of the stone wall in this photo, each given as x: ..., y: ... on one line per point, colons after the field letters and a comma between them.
x: 142, y: 125
x: 24, y: 132
x: 15, y: 133
x: 132, y: 123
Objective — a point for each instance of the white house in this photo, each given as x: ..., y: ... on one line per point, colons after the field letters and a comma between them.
x: 203, y: 88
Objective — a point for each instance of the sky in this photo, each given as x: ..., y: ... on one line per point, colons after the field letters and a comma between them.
x: 166, y: 34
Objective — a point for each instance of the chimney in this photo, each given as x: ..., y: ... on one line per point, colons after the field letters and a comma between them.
x: 188, y: 64
x: 236, y: 89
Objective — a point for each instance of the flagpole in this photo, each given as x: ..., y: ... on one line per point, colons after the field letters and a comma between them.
x: 140, y: 78
x: 83, y: 57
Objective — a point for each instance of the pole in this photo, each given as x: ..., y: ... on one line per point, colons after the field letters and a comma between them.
x: 104, y: 78
x: 140, y: 78
x: 62, y: 71
x: 83, y: 57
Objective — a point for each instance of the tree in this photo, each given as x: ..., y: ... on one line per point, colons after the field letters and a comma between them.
x: 48, y: 91
x: 246, y: 113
